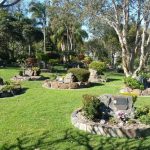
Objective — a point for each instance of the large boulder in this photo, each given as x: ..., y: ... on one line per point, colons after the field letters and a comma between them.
x: 114, y: 104
x: 126, y: 90
x: 73, y: 85
x: 69, y: 78
x: 55, y: 85
x: 63, y: 86
x: 29, y: 72
x: 94, y: 77
x: 137, y: 92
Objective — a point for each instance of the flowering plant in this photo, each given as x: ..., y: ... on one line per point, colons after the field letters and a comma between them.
x: 121, y: 115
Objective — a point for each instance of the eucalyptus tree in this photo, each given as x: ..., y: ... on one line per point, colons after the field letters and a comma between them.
x: 119, y: 14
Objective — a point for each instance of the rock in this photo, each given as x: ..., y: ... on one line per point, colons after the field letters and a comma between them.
x: 126, y: 90
x: 112, y: 104
x: 47, y: 84
x: 59, y: 79
x: 148, y: 91
x: 102, y: 121
x: 29, y: 72
x: 144, y: 92
x: 69, y: 78
x: 54, y: 85
x: 137, y: 92
x: 73, y: 85
x: 93, y: 76
x: 63, y: 86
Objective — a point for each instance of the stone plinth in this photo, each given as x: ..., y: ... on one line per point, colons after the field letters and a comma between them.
x: 114, y: 104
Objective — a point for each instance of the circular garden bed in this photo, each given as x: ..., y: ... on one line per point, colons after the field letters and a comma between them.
x: 108, y: 129
x: 112, y: 116
x: 28, y: 74
x: 63, y: 85
x: 9, y: 89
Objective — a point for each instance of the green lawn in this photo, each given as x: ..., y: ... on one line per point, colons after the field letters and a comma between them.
x: 40, y: 118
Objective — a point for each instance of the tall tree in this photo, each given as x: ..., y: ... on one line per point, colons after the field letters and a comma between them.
x: 39, y: 13
x: 119, y: 14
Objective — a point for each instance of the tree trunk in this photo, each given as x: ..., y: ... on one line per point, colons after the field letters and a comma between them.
x: 44, y: 40
x: 63, y: 47
x: 29, y: 52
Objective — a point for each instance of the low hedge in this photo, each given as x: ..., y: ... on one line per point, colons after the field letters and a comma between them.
x: 82, y: 75
x: 98, y: 66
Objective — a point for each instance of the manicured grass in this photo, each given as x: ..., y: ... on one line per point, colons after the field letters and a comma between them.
x: 40, y: 118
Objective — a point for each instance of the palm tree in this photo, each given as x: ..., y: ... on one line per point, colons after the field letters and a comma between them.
x: 68, y: 36
x: 39, y: 13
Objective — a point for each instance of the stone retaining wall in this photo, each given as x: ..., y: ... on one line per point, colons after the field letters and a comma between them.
x: 107, y: 130
x: 26, y: 78
x: 62, y: 85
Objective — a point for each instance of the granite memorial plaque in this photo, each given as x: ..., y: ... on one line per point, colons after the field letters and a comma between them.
x: 121, y: 103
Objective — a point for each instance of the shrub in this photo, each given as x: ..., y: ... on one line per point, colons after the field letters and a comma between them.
x: 36, y: 70
x: 87, y: 60
x: 7, y: 88
x: 133, y: 83
x: 98, y: 66
x: 53, y: 61
x: 82, y: 75
x: 91, y: 107
x: 143, y: 114
x: 53, y: 77
x: 1, y: 81
x: 21, y: 73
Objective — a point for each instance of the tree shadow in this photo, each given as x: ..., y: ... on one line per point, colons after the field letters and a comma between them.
x: 72, y: 139
x: 112, y: 79
x: 95, y: 84
x: 16, y: 93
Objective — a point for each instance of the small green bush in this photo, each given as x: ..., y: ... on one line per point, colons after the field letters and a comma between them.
x: 143, y: 114
x: 91, y: 107
x: 21, y: 73
x: 53, y: 77
x: 36, y: 70
x: 82, y: 75
x: 133, y: 83
x: 144, y: 75
x: 1, y: 81
x: 87, y: 60
x: 98, y: 66
x: 7, y: 88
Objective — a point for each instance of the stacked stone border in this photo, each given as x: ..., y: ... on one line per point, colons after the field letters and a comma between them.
x: 107, y: 130
x: 27, y: 78
x: 61, y: 85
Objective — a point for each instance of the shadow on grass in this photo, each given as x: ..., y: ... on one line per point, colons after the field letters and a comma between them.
x: 75, y: 140
x: 20, y: 92
x: 23, y: 91
x: 95, y: 84
x: 112, y: 79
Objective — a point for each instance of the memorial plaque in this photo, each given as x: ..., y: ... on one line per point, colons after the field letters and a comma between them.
x: 121, y: 103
